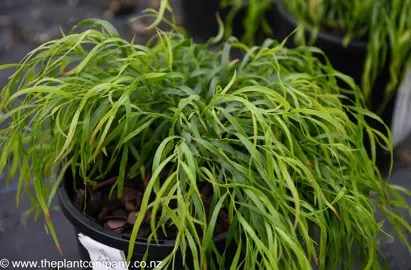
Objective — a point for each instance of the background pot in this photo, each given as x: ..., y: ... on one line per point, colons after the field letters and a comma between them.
x: 87, y: 227
x: 349, y: 60
x: 199, y: 17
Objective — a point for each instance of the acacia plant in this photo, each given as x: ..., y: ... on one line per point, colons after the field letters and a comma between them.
x: 269, y: 133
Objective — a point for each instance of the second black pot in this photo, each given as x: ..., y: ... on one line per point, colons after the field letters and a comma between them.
x: 349, y: 60
x: 201, y: 22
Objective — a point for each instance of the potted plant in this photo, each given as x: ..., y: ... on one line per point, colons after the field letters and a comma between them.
x: 367, y: 40
x: 246, y: 20
x: 172, y: 152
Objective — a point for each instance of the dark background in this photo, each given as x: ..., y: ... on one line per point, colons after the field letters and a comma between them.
x: 25, y: 24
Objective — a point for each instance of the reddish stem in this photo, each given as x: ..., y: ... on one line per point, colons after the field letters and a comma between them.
x: 104, y: 183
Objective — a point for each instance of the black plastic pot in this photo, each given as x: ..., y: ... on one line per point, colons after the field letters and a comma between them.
x: 349, y: 60
x: 200, y: 21
x: 86, y: 226
x: 200, y: 18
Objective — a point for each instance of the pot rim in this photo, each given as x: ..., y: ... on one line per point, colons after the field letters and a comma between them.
x: 78, y: 220
x: 337, y: 41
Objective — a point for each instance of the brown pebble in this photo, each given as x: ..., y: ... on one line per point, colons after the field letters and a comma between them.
x: 120, y: 212
x: 119, y: 230
x: 114, y: 224
x: 129, y: 194
x: 103, y: 213
x: 116, y: 217
x: 132, y: 217
x: 130, y: 206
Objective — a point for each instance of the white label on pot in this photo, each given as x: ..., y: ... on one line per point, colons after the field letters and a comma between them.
x: 102, y: 257
x: 401, y: 124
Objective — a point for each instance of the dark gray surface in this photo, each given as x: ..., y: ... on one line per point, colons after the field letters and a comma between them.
x: 23, y: 25
x: 397, y: 255
x: 29, y: 242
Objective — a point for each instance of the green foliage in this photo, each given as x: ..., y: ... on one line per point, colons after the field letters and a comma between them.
x: 269, y: 132
x: 255, y: 20
x: 386, y: 25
